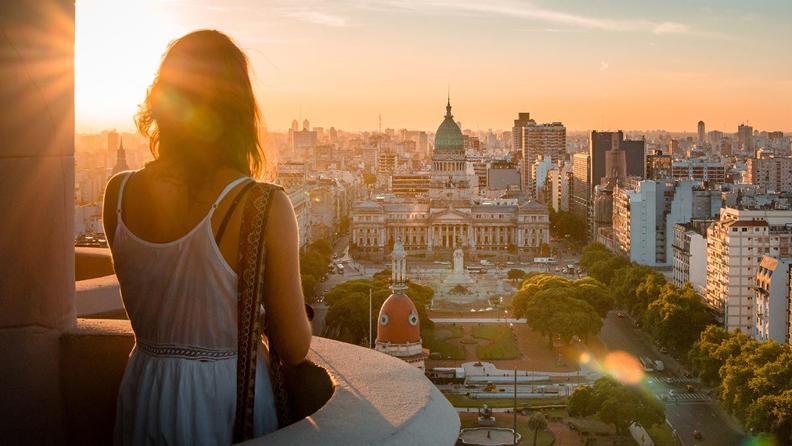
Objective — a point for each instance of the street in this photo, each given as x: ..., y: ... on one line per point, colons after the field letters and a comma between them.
x: 686, y: 411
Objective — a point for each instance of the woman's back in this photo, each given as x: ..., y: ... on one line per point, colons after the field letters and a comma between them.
x: 178, y: 282
x: 177, y: 289
x: 181, y: 297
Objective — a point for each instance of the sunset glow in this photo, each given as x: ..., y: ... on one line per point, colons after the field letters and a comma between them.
x: 342, y: 63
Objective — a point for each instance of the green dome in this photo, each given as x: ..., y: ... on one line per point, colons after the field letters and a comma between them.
x: 449, y: 137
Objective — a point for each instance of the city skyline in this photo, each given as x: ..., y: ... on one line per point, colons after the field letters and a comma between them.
x: 343, y: 64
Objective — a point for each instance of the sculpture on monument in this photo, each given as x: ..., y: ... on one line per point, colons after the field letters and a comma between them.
x: 459, y: 261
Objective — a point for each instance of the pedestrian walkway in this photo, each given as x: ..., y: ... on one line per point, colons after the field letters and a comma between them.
x: 689, y: 397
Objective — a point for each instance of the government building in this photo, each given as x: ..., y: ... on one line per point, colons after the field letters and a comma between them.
x: 451, y: 213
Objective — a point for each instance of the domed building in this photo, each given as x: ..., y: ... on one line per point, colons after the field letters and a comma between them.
x: 451, y: 177
x: 398, y: 325
x: 452, y: 215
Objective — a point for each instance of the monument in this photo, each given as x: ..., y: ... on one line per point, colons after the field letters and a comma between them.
x: 458, y: 276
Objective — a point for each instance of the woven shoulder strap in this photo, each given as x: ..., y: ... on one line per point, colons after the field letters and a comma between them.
x: 252, y: 261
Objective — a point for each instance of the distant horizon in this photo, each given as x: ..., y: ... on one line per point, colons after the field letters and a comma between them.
x: 624, y: 64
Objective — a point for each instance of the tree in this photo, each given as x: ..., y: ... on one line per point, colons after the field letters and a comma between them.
x: 556, y: 306
x: 772, y: 413
x: 710, y: 352
x: 515, y: 274
x: 626, y: 281
x: 348, y: 305
x: 537, y: 422
x: 593, y: 252
x: 594, y: 292
x: 677, y: 317
x: 581, y: 402
x: 616, y: 404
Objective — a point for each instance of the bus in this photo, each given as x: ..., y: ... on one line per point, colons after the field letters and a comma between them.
x: 545, y: 260
x: 476, y: 269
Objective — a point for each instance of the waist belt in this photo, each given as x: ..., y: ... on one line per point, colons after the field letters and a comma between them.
x: 183, y: 351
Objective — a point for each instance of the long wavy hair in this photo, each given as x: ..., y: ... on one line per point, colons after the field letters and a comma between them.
x: 200, y: 112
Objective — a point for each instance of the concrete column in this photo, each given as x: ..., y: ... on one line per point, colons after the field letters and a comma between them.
x: 37, y: 213
x: 453, y: 244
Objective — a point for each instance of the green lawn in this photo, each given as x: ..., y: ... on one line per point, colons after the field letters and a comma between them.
x: 503, y: 345
x: 436, y: 340
x: 464, y: 401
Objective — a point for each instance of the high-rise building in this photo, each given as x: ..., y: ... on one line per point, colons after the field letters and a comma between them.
x: 701, y: 132
x: 644, y: 215
x: 735, y: 245
x: 771, y: 300
x: 774, y: 174
x: 517, y: 134
x: 560, y: 179
x: 601, y: 142
x: 581, y: 185
x: 745, y: 139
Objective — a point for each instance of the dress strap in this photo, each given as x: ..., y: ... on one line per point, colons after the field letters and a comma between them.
x: 121, y: 190
x: 225, y: 192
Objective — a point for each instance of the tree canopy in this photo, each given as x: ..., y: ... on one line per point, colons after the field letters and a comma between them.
x: 348, y: 306
x: 616, y: 404
x: 556, y: 306
x: 754, y: 379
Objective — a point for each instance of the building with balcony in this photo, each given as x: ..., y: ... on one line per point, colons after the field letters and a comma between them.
x: 771, y: 300
x: 773, y: 174
x: 736, y: 242
x: 713, y: 172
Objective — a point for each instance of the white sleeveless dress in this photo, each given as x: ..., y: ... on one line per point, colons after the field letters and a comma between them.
x: 180, y: 382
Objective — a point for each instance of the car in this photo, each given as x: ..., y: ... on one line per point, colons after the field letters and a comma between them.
x: 620, y: 315
x: 663, y: 350
x: 697, y: 435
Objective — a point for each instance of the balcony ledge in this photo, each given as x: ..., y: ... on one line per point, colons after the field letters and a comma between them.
x: 376, y: 398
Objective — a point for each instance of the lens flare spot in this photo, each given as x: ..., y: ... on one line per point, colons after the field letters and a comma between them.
x: 585, y: 358
x: 624, y: 367
x: 761, y: 440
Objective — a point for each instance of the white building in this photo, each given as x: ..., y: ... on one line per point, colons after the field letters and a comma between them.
x: 735, y: 246
x: 689, y: 257
x: 644, y: 215
x: 771, y: 314
x: 539, y: 172
x: 560, y: 179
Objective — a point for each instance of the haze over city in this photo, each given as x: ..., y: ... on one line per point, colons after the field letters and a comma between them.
x: 593, y: 65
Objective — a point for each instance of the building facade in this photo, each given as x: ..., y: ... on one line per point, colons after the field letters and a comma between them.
x: 452, y: 215
x: 736, y: 243
x: 771, y: 300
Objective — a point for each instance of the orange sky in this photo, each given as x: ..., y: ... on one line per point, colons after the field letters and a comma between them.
x: 592, y: 65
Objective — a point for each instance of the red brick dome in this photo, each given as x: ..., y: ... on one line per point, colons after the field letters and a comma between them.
x: 398, y: 321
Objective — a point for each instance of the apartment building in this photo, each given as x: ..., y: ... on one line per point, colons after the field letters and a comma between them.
x: 735, y: 245
x: 771, y: 300
x: 773, y: 174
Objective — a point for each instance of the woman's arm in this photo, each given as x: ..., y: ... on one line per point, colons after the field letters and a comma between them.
x: 283, y: 296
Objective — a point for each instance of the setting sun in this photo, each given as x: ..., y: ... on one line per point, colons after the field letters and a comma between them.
x: 118, y: 46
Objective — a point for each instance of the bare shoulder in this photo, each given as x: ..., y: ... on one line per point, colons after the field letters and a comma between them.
x: 281, y: 221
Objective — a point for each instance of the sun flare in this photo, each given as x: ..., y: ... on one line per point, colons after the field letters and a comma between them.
x: 118, y: 46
